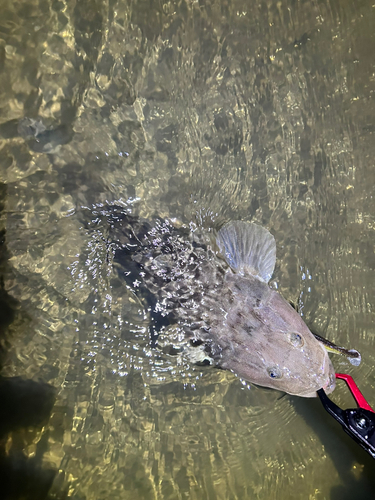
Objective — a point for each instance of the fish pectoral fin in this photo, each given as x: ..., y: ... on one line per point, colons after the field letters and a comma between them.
x: 248, y: 248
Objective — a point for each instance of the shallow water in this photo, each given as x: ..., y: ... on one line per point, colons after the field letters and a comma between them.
x: 201, y: 112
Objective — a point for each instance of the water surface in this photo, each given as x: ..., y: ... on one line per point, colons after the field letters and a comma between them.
x: 201, y: 112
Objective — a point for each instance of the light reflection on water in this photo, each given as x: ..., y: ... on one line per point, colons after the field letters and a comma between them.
x: 201, y: 113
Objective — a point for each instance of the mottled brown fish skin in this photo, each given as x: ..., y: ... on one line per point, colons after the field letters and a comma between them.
x: 245, y: 326
x: 253, y: 325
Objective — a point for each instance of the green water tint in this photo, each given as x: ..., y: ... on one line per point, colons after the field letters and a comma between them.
x: 353, y: 356
x: 201, y: 112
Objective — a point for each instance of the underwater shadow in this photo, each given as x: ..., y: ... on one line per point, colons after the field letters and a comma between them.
x: 343, y: 451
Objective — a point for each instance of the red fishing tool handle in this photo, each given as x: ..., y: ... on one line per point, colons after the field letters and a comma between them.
x: 357, y: 394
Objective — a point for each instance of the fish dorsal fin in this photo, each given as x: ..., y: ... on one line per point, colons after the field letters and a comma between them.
x: 248, y: 248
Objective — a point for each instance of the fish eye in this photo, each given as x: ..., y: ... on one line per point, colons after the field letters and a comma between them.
x: 296, y: 339
x: 274, y: 372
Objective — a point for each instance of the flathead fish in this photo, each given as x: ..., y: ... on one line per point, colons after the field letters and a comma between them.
x: 217, y: 292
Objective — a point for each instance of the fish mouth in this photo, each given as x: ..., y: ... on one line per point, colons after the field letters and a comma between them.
x: 329, y: 384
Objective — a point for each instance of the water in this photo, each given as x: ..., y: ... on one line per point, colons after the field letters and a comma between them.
x: 201, y: 112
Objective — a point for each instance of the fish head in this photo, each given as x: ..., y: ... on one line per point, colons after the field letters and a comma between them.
x: 296, y: 369
x: 274, y: 348
x: 265, y: 340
